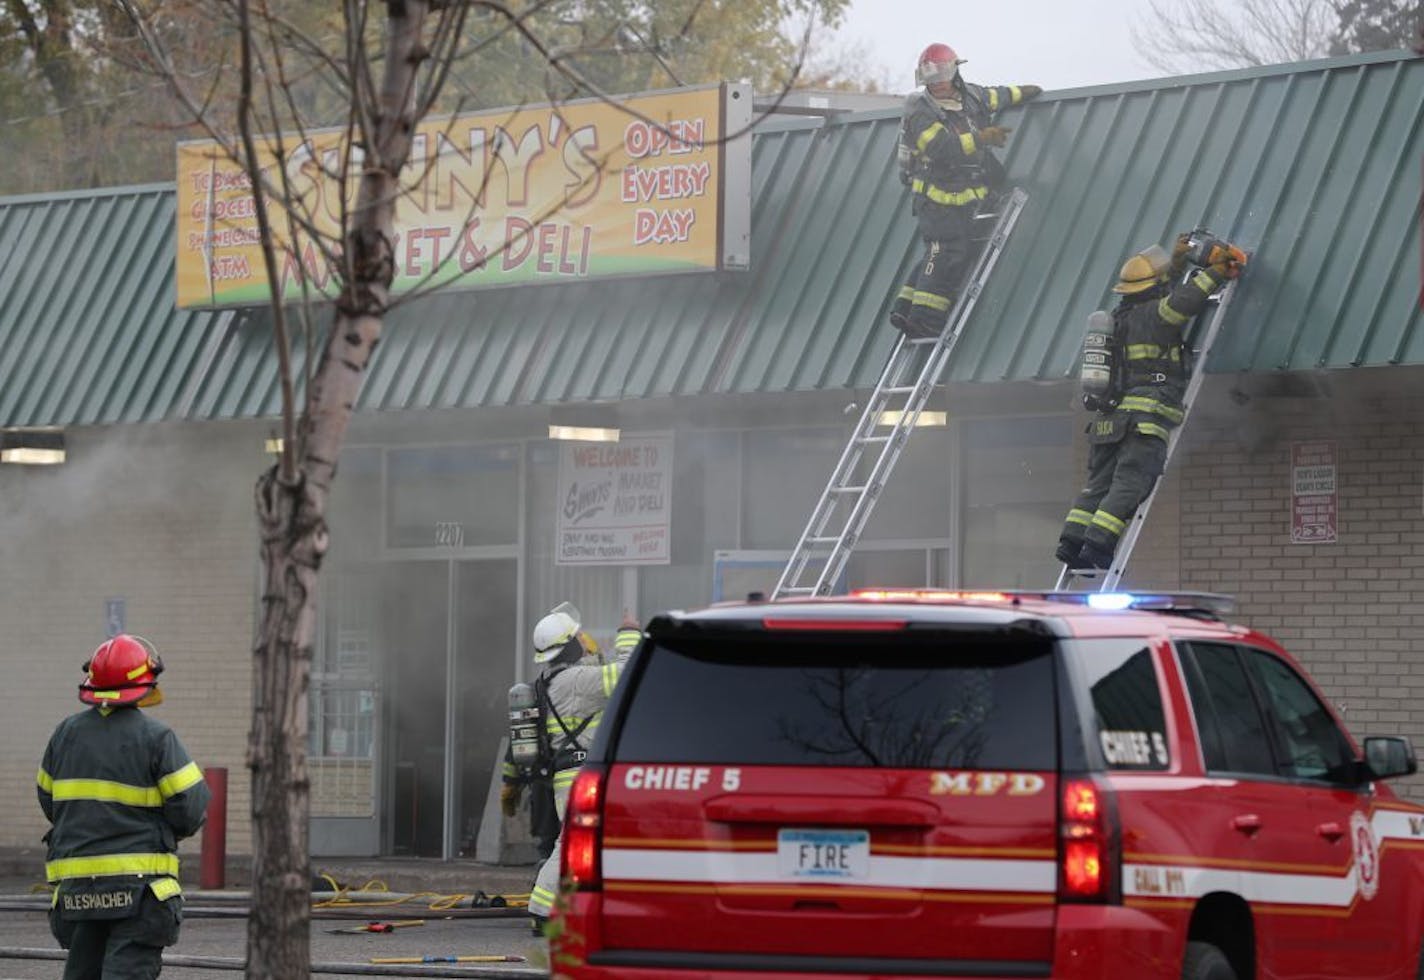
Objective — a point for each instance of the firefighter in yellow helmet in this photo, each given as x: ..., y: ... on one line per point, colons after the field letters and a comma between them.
x: 120, y: 791
x: 571, y: 692
x: 946, y: 160
x: 1135, y: 416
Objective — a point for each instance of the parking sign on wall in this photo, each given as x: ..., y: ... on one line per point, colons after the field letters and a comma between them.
x: 1314, y: 504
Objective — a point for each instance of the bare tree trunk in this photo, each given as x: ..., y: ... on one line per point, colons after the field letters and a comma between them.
x: 291, y: 514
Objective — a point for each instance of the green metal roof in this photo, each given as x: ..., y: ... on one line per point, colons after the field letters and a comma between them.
x: 88, y: 328
x: 1313, y: 167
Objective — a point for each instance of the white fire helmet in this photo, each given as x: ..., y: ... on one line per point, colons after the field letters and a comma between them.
x: 555, y: 630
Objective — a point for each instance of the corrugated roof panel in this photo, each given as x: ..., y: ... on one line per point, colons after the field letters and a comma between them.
x: 88, y: 329
x: 1314, y: 167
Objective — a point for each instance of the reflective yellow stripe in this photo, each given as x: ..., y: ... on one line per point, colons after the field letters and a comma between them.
x: 165, y: 888
x: 610, y: 678
x: 1148, y: 352
x: 106, y: 695
x: 1153, y: 429
x: 1141, y: 403
x: 44, y: 781
x: 105, y: 791
x: 1203, y: 280
x: 543, y: 895
x: 953, y: 198
x: 966, y: 143
x: 1015, y: 94
x: 1106, y: 521
x: 176, y: 782
x: 112, y: 864
x: 1165, y: 311
x: 1076, y: 516
x: 551, y: 724
x: 993, y: 99
x: 509, y: 769
x: 933, y: 300
x: 564, y: 777
x: 928, y: 135
x: 906, y: 293
x: 136, y: 672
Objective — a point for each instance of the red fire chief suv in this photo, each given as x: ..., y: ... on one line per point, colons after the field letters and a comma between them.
x: 983, y: 785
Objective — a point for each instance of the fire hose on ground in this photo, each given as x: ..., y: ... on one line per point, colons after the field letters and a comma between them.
x: 337, y: 969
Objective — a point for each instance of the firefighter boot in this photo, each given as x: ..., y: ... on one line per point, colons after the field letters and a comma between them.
x: 1068, y: 550
x: 1093, y: 555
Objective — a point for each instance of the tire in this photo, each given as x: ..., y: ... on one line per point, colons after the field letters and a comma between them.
x: 1205, y: 962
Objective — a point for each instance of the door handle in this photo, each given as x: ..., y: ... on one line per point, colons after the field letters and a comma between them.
x: 1247, y: 823
x: 1331, y: 831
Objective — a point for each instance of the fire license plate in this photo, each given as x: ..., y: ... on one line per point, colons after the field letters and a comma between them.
x: 823, y: 853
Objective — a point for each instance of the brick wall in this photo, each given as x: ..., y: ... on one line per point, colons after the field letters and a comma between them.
x: 160, y: 515
x: 1350, y: 611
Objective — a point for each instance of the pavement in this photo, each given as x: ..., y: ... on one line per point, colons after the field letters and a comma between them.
x: 426, y: 880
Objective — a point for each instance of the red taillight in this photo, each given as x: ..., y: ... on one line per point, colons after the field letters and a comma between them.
x: 1085, y: 842
x: 583, y: 830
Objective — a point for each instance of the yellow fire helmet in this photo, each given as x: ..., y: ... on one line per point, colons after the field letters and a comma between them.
x: 1144, y: 270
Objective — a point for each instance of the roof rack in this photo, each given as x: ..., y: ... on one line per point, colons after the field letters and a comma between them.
x: 1202, y: 605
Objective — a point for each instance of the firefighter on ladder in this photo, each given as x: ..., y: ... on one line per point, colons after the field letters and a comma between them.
x: 120, y: 791
x: 945, y: 159
x: 572, y: 694
x: 1136, y: 412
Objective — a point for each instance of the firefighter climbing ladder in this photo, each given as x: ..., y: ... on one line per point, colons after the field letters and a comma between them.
x: 1106, y: 580
x: 849, y: 498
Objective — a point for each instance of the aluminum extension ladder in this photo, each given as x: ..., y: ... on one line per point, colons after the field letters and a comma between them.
x: 1107, y: 579
x: 846, y: 502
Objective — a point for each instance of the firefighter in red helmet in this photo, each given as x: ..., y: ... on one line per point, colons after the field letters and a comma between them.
x: 119, y: 791
x: 945, y: 159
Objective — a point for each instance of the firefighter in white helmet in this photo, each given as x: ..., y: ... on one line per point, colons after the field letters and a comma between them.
x: 571, y: 696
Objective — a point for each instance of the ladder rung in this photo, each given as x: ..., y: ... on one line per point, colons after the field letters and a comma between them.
x: 873, y: 439
x: 860, y: 489
x: 898, y: 389
x: 798, y: 590
x: 925, y: 340
x: 822, y: 540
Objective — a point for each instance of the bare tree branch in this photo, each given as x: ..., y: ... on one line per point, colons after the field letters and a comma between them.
x: 1214, y: 34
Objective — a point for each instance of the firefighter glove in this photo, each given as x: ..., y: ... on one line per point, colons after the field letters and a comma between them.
x: 509, y: 795
x: 995, y: 135
x: 1179, y: 253
x: 1028, y: 92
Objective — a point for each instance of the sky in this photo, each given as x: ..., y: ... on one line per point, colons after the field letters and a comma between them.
x: 1053, y: 43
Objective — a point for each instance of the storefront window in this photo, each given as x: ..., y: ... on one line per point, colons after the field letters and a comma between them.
x: 452, y: 496
x: 783, y: 471
x: 1019, y: 477
x: 354, y: 510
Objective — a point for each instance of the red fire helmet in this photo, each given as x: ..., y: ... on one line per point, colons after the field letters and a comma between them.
x: 123, y: 670
x: 938, y: 66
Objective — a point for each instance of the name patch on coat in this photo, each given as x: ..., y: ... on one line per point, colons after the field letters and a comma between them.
x: 97, y: 901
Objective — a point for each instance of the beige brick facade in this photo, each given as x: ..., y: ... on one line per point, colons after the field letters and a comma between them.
x: 1351, y: 611
x: 161, y: 516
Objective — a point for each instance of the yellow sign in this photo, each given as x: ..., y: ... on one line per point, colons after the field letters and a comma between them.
x: 531, y: 195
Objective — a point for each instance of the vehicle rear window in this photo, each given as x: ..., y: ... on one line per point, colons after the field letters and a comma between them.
x: 827, y: 700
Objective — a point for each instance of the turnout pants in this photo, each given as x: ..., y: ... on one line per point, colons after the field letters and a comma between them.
x: 927, y: 296
x: 119, y: 949
x: 546, y: 886
x: 1120, y: 476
